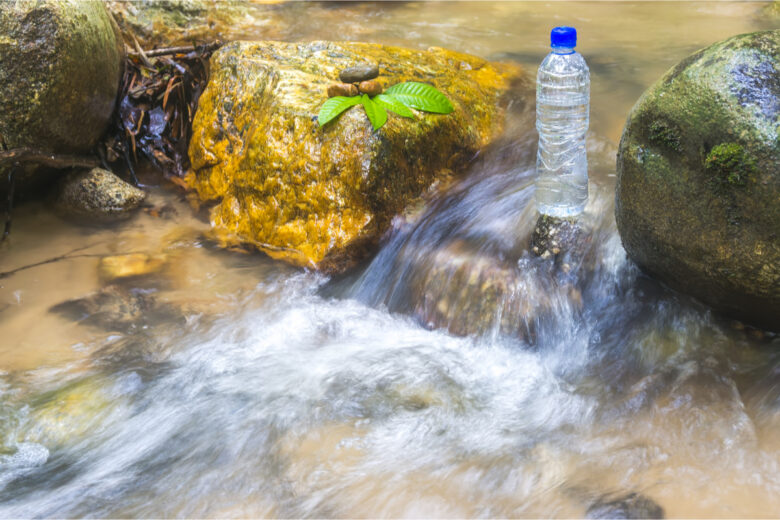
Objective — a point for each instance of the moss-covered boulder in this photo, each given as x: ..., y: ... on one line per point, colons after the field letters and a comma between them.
x: 60, y: 66
x: 698, y: 193
x: 317, y: 196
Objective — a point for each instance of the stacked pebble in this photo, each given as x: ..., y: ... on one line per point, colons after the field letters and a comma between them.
x: 357, y: 79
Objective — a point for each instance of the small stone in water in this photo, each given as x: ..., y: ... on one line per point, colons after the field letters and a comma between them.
x: 629, y: 506
x: 342, y: 89
x: 359, y: 73
x: 133, y: 264
x: 372, y: 88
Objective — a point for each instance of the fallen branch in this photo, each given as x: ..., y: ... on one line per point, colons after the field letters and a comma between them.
x: 65, y: 256
x: 186, y: 49
x: 26, y: 156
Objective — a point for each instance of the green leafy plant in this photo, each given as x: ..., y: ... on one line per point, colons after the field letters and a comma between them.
x: 399, y: 98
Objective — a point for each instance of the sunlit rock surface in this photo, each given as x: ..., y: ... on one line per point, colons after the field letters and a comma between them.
x: 322, y: 197
x: 698, y: 194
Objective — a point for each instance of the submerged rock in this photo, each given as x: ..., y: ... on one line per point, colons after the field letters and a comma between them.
x: 322, y: 197
x: 98, y: 193
x: 61, y: 66
x: 553, y: 235
x: 698, y: 193
x: 68, y: 414
x: 632, y: 505
x: 472, y: 293
x: 130, y: 265
x: 117, y: 308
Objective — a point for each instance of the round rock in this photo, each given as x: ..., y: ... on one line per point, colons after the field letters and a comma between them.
x: 698, y: 193
x: 358, y: 73
x: 98, y: 193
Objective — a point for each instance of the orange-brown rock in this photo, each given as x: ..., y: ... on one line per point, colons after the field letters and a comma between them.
x: 342, y: 89
x: 322, y: 196
x: 370, y: 87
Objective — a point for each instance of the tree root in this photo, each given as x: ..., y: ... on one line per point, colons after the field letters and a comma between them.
x: 52, y: 160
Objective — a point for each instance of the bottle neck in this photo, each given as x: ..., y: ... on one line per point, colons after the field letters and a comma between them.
x: 563, y: 50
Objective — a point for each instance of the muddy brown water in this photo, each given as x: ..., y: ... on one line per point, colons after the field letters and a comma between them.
x: 243, y: 387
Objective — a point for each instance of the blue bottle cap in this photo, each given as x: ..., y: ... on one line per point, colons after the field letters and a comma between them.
x: 563, y: 37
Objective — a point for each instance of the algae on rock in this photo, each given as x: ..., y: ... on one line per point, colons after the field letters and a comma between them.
x: 321, y: 197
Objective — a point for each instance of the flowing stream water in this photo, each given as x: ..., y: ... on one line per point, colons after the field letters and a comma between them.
x: 243, y: 387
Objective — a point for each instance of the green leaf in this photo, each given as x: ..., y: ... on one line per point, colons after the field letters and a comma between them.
x: 334, y: 106
x: 421, y: 96
x: 376, y: 114
x: 392, y: 104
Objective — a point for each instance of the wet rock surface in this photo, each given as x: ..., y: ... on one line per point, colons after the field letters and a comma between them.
x: 552, y: 236
x: 697, y: 200
x: 467, y: 292
x: 98, y: 193
x: 630, y: 506
x: 322, y: 196
x: 116, y: 307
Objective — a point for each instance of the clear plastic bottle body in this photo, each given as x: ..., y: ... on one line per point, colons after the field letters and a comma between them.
x: 562, y: 118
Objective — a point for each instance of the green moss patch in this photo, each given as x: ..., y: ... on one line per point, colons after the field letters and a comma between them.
x: 729, y: 164
x: 662, y: 134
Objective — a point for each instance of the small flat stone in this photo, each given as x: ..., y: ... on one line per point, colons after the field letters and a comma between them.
x: 372, y: 88
x: 358, y: 73
x: 342, y: 89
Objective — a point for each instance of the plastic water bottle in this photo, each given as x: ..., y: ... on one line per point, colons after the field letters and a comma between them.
x: 562, y: 116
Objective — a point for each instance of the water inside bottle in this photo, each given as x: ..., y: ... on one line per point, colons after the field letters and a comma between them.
x: 562, y: 118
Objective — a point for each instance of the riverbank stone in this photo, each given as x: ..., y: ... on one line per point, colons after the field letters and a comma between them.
x: 61, y: 66
x: 98, y: 193
x: 118, y: 308
x: 469, y: 292
x: 322, y: 196
x: 698, y: 191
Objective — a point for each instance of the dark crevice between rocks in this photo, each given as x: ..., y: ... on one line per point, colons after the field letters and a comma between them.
x: 157, y: 100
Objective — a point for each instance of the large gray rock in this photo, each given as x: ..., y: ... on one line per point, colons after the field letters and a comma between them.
x: 698, y: 193
x: 61, y: 66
